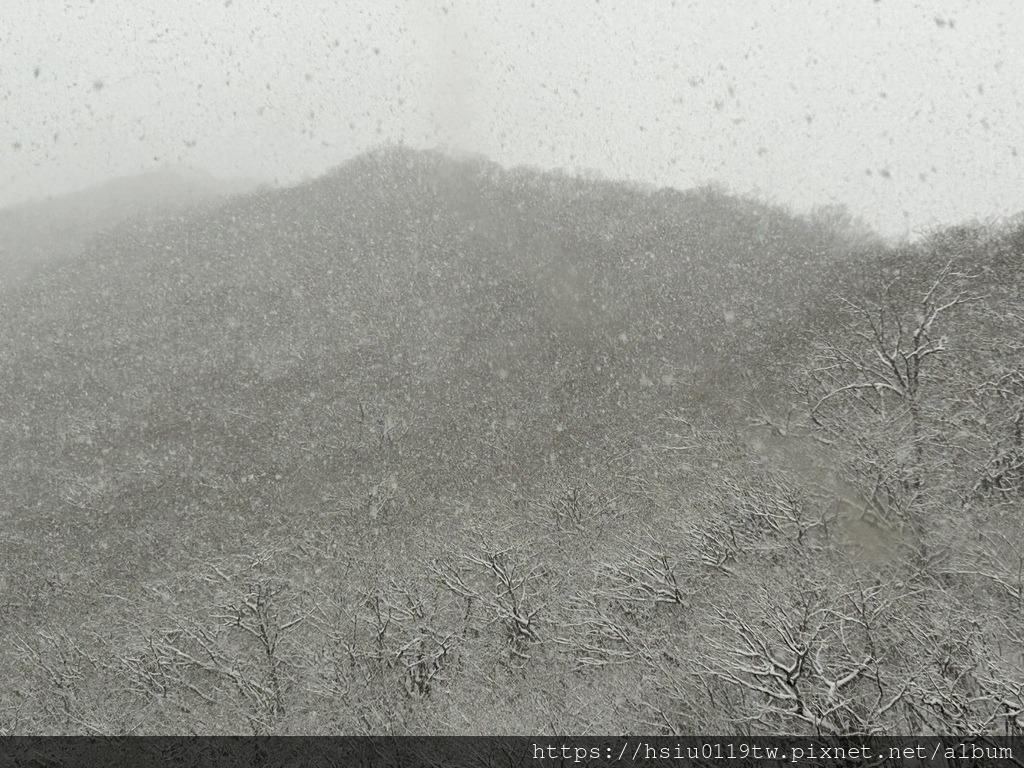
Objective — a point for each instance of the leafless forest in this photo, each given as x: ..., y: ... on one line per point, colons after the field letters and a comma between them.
x: 428, y: 445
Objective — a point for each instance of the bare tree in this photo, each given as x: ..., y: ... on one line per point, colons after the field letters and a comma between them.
x: 878, y: 389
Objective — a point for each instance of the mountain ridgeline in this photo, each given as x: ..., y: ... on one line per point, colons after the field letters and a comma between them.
x: 364, y: 401
x: 38, y: 234
x: 453, y: 297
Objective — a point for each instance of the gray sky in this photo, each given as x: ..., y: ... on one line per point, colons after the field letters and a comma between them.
x: 912, y: 113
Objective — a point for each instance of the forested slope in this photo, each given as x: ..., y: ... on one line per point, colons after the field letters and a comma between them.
x: 429, y: 445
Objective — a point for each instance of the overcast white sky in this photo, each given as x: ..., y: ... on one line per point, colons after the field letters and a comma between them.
x: 912, y: 113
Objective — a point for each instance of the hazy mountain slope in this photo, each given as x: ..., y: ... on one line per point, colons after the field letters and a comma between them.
x: 37, y: 233
x: 372, y: 397
x: 450, y: 323
x: 357, y: 381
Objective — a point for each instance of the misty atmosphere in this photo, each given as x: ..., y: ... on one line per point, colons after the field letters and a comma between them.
x: 589, y: 369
